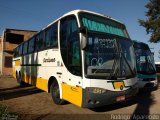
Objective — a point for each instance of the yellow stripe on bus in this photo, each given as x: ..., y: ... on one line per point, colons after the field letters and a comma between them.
x: 17, y: 63
x: 72, y: 94
x: 40, y: 83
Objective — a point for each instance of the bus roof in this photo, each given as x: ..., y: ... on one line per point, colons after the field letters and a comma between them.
x: 142, y: 45
x: 138, y: 42
x: 78, y: 10
x: 75, y: 12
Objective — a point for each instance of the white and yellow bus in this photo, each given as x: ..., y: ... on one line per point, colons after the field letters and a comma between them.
x: 83, y: 57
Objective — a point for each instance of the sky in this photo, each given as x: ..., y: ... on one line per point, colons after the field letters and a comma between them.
x: 37, y: 14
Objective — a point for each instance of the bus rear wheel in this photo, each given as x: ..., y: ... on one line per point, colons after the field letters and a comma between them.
x: 17, y: 77
x: 19, y: 80
x: 55, y: 93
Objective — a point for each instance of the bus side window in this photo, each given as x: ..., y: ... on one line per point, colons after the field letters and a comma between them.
x: 70, y: 45
x: 40, y: 42
x: 16, y: 52
x: 20, y: 50
x: 47, y: 37
x: 25, y: 48
x: 54, y: 36
x: 51, y: 36
x: 31, y: 45
x: 36, y: 42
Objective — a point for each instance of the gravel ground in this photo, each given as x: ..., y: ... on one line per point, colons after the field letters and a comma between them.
x: 30, y: 103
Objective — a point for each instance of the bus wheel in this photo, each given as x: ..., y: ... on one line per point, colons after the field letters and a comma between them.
x: 21, y: 83
x: 55, y: 93
x: 17, y: 77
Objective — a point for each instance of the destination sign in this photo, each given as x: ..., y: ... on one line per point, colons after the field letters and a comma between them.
x: 102, y: 27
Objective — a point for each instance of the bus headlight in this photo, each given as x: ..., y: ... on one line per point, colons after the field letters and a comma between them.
x: 96, y: 90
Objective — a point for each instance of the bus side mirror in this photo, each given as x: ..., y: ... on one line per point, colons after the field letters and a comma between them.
x: 83, y: 31
x: 83, y: 42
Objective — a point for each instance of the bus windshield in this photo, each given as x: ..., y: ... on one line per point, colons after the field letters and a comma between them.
x: 144, y: 61
x: 109, y: 57
x: 109, y: 53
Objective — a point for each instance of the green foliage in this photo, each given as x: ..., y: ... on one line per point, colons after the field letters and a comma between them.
x: 3, y: 110
x: 5, y: 114
x: 152, y: 24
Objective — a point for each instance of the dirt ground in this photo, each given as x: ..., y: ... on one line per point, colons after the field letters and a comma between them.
x: 31, y: 103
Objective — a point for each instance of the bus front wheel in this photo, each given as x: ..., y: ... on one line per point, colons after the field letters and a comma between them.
x: 55, y: 93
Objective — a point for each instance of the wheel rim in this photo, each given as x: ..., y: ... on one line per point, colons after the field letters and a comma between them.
x: 56, y: 92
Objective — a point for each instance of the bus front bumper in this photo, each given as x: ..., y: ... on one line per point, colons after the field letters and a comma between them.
x: 91, y: 100
x: 147, y: 84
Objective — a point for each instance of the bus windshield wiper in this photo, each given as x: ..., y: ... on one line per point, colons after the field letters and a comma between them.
x: 128, y: 64
x: 113, y: 71
x: 121, y: 57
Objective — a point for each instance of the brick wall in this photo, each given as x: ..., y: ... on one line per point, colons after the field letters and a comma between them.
x: 9, y: 46
x: 7, y: 63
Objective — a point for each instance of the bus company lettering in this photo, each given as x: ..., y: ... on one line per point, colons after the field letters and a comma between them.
x: 48, y: 60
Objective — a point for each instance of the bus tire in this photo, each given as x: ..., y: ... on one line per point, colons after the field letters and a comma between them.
x: 21, y: 83
x: 17, y: 77
x: 55, y: 93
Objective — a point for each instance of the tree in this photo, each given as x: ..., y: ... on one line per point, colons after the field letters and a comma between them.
x: 152, y: 24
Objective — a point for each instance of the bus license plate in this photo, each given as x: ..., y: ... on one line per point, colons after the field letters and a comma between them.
x: 120, y: 98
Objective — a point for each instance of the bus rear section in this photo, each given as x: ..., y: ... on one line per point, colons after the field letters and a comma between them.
x: 146, y: 70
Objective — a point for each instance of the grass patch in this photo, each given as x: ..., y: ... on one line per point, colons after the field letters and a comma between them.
x: 5, y: 114
x: 3, y: 110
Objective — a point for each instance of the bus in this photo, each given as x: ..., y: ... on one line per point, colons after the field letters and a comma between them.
x: 83, y: 57
x: 146, y: 70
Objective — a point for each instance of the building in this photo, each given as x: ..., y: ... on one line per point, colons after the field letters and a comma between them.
x: 8, y: 41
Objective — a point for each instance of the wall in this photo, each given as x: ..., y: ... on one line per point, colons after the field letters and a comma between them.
x: 7, y: 46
